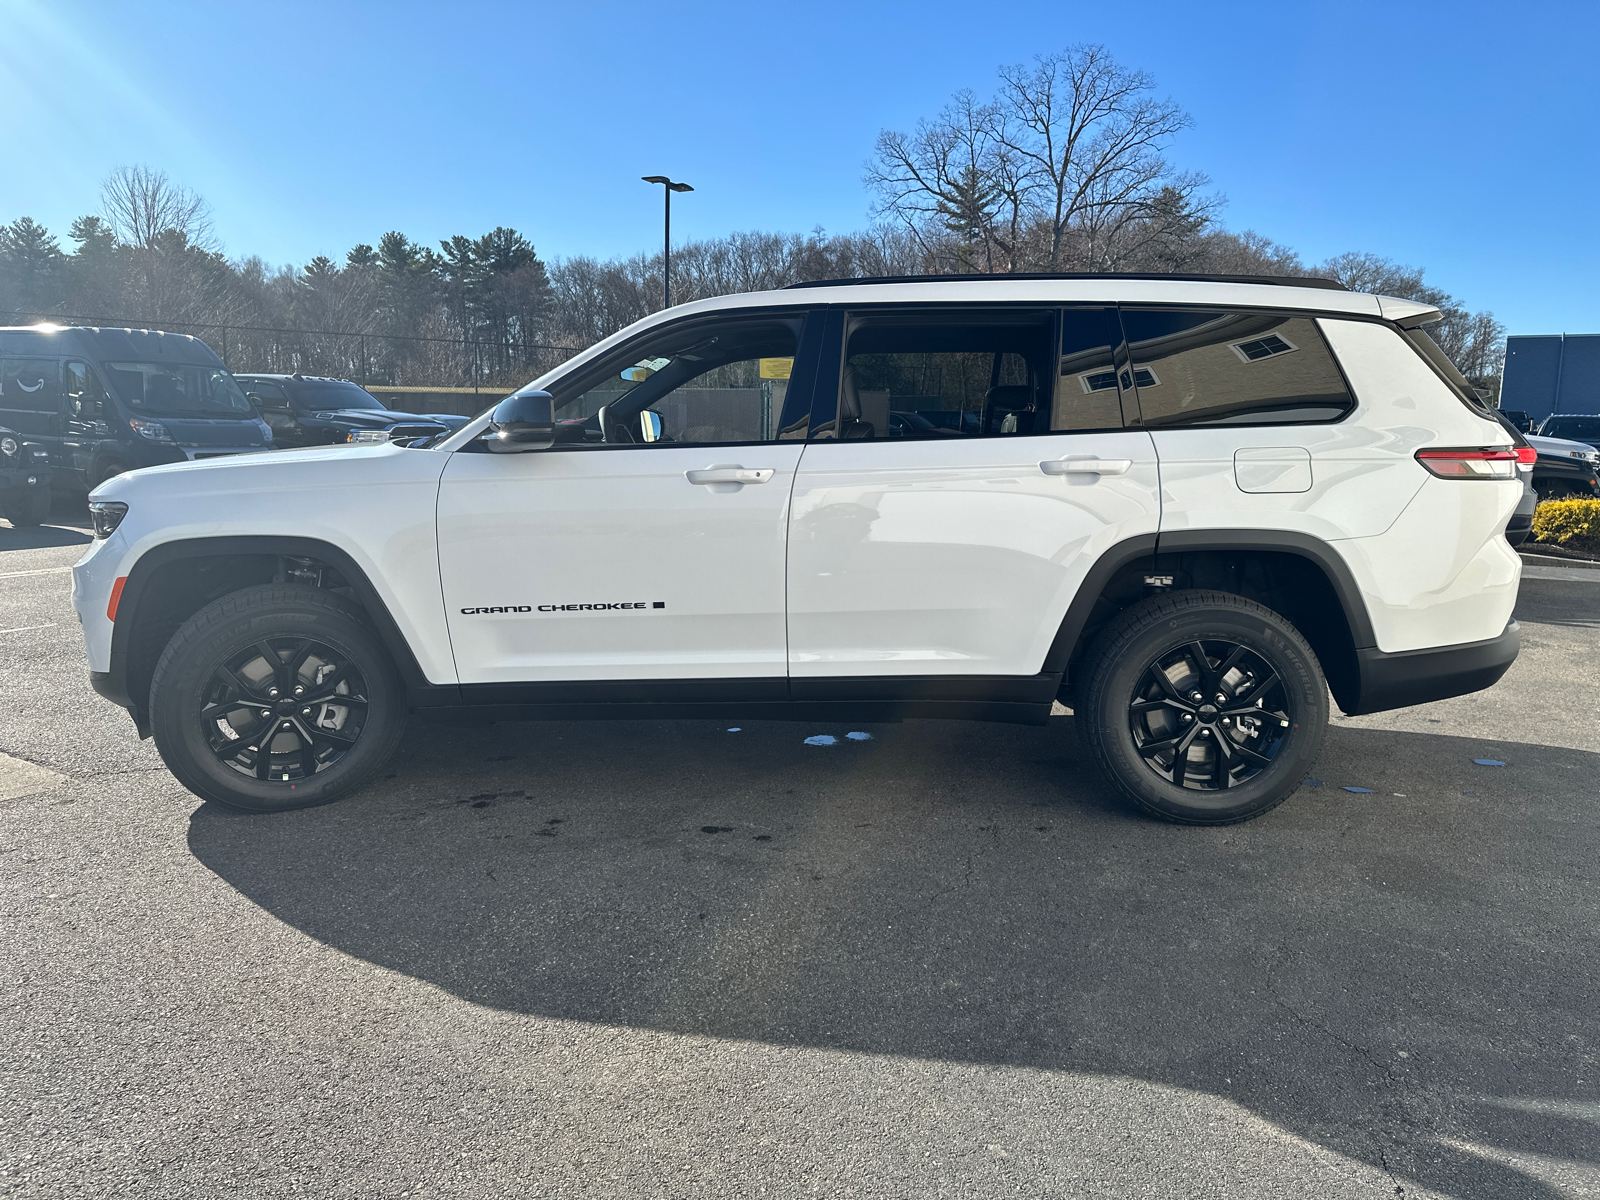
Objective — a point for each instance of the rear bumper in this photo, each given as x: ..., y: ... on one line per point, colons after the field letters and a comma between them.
x: 1519, y: 528
x: 1418, y: 676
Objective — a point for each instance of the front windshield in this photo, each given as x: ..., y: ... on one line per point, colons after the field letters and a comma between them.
x: 179, y: 390
x: 323, y: 394
x: 1579, y: 429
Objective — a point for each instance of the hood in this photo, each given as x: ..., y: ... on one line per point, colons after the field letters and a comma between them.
x: 448, y: 420
x: 206, y: 431
x: 369, y: 418
x: 1560, y: 446
x: 316, y: 466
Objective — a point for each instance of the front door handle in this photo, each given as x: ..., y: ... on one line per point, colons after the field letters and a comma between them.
x: 730, y: 475
x: 1085, y: 466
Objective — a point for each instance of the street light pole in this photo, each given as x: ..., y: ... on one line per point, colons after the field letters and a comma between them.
x: 667, y: 188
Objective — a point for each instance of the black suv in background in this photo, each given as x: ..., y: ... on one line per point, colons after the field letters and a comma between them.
x: 309, y: 410
x: 103, y: 401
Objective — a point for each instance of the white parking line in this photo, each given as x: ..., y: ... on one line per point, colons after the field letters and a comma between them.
x: 41, y: 571
x: 1580, y: 574
x: 25, y: 628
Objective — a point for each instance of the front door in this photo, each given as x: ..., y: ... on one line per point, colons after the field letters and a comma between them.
x: 977, y: 467
x: 648, y: 542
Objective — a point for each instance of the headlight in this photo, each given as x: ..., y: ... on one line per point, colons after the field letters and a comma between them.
x: 106, y: 515
x: 9, y: 447
x: 155, y: 431
x: 367, y: 436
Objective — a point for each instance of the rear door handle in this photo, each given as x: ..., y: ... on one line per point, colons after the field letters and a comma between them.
x: 730, y: 475
x: 1085, y: 466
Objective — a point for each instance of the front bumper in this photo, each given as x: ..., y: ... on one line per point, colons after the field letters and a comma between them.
x: 1418, y: 676
x: 17, y: 483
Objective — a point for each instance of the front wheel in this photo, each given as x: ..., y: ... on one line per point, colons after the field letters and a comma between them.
x: 274, y: 698
x: 1203, y: 708
x: 32, y: 509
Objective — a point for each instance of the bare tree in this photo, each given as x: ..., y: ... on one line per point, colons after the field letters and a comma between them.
x: 1089, y: 134
x: 1053, y: 169
x: 142, y: 203
x: 955, y: 176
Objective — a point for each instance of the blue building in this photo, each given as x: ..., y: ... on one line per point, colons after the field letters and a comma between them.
x: 1552, y: 373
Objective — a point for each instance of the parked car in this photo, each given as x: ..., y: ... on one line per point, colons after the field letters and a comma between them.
x: 310, y: 410
x: 1189, y: 508
x: 1565, y: 468
x: 25, y: 478
x: 1520, y: 421
x: 1577, y: 427
x: 104, y: 401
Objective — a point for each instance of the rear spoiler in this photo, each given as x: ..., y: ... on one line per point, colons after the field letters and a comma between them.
x: 1408, y: 314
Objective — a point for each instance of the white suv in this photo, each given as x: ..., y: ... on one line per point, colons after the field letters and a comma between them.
x: 1188, y: 507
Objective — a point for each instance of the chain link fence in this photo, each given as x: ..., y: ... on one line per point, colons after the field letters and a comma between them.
x: 454, y: 374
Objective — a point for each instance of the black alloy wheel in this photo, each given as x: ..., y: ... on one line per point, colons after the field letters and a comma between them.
x: 1202, y: 707
x: 276, y: 697
x: 284, y: 708
x: 1209, y: 715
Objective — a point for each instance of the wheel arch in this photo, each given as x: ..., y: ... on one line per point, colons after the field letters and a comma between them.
x: 1302, y: 578
x: 171, y: 582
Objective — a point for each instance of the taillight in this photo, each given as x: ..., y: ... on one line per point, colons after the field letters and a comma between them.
x: 1497, y: 463
x: 1527, y: 455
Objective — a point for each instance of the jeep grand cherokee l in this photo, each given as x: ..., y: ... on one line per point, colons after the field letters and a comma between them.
x: 1189, y: 507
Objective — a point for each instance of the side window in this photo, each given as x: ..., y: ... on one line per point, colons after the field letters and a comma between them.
x: 268, y: 395
x: 30, y: 385
x: 84, y: 397
x: 1231, y: 368
x: 941, y: 374
x: 1087, y: 396
x: 697, y: 383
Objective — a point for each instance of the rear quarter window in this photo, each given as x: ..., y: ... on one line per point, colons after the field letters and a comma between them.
x: 1215, y: 367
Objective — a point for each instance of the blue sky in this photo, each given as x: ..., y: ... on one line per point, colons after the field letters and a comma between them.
x: 1464, y: 138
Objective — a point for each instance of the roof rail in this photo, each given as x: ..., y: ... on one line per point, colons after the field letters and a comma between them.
x: 1279, y: 280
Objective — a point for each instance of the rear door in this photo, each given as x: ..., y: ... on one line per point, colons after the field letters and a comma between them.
x: 975, y: 468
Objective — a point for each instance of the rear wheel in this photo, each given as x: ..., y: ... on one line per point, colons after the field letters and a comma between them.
x: 1203, y: 707
x: 275, y: 698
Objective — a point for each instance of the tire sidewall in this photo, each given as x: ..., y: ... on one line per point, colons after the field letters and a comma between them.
x: 175, y: 702
x: 1297, y: 668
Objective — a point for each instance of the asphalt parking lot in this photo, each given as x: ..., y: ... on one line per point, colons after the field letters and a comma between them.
x: 666, y: 959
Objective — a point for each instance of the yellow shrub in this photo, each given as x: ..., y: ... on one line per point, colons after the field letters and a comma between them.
x: 1573, y: 524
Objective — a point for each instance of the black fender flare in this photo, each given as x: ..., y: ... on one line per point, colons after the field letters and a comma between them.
x: 1146, y: 548
x: 114, y: 686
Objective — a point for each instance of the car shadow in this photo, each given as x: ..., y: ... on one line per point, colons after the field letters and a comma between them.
x: 1401, y: 974
x: 38, y: 537
x: 67, y: 525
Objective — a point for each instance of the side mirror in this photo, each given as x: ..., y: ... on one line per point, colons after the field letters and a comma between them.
x: 650, y: 426
x: 526, y: 421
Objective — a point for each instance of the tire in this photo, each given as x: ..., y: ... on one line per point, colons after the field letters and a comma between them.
x: 217, y: 662
x: 32, y: 510
x: 1133, y: 724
